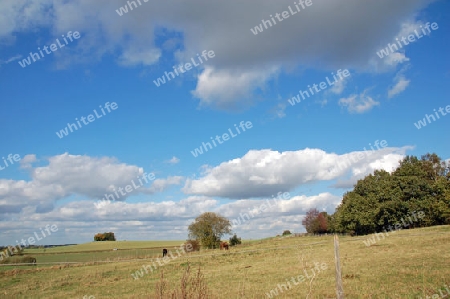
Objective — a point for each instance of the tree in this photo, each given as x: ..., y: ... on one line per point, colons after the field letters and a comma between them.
x: 383, y: 199
x: 191, y: 245
x: 208, y: 228
x: 316, y: 222
x: 105, y: 237
x: 234, y: 240
x: 286, y: 232
x: 322, y: 223
x: 310, y: 221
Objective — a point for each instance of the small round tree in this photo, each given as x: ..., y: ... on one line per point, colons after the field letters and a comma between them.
x: 234, y: 240
x: 208, y: 228
x: 316, y: 222
x: 191, y: 245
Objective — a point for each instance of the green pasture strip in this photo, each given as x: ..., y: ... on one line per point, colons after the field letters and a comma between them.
x: 107, y: 245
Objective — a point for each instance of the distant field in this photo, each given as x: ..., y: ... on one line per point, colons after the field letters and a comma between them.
x: 100, y: 251
x: 105, y: 245
x: 405, y: 264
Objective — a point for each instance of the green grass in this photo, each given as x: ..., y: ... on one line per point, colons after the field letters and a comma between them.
x: 405, y: 264
x: 102, y: 251
x: 106, y: 245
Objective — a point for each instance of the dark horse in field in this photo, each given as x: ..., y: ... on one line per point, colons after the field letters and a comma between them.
x: 164, y: 252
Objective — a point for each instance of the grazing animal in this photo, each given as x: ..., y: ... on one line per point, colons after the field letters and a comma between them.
x: 164, y: 252
x: 33, y: 261
x: 224, y: 245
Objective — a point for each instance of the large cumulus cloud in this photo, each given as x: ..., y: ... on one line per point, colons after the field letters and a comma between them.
x: 337, y: 34
x: 265, y: 172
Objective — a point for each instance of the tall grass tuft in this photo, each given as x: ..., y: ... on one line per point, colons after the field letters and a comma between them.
x: 191, y: 286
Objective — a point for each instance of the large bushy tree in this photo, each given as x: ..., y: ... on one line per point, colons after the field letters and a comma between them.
x: 208, y: 228
x: 382, y: 198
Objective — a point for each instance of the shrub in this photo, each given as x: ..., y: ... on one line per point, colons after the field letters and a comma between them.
x: 234, y: 240
x: 105, y: 237
x: 286, y: 232
x: 7, y: 251
x: 192, y: 285
x: 191, y: 245
x: 26, y: 259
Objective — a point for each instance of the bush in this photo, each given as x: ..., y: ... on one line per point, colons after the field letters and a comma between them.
x: 105, y: 237
x: 234, y: 240
x: 192, y: 285
x: 10, y: 251
x: 191, y: 245
x: 286, y: 232
x: 19, y: 260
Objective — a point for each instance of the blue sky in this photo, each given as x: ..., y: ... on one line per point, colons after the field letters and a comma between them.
x: 289, y: 148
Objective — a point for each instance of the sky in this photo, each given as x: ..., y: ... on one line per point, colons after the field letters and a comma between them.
x: 136, y: 117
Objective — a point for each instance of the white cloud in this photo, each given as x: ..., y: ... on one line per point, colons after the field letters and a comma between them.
x: 257, y: 174
x: 85, y: 175
x: 269, y: 217
x: 386, y: 160
x: 11, y: 59
x: 358, y: 103
x: 401, y: 83
x: 243, y: 63
x: 135, y: 221
x: 279, y: 110
x: 159, y: 185
x: 21, y: 15
x: 398, y: 57
x: 277, y: 206
x: 67, y: 175
x: 230, y: 89
x: 134, y: 57
x: 395, y: 58
x: 265, y: 172
x: 407, y: 28
x: 339, y: 86
x: 27, y: 160
x: 166, y: 220
x: 174, y: 160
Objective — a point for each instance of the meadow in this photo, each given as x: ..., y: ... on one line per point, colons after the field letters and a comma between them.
x: 405, y: 264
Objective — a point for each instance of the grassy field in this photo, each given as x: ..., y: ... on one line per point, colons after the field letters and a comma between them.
x: 406, y: 264
x: 102, y: 246
x: 101, y: 251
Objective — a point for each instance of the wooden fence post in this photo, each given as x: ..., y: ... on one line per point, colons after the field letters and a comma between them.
x: 339, y: 285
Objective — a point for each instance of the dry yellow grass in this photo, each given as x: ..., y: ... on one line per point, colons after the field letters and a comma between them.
x: 407, y: 264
